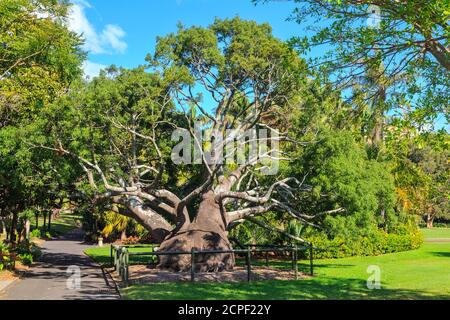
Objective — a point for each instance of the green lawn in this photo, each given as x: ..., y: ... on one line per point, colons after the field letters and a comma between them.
x: 103, y: 255
x: 419, y: 274
x: 64, y: 224
x: 436, y: 233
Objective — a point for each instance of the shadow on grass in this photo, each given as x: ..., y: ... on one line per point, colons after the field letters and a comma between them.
x: 59, y: 226
x: 303, y: 265
x: 312, y: 289
x: 442, y: 254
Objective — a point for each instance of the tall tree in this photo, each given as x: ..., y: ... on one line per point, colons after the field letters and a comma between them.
x: 39, y: 56
x: 39, y: 59
x: 422, y: 174
x: 232, y: 76
x: 405, y: 36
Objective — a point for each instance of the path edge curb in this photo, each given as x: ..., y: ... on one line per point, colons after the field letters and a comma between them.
x: 106, y: 272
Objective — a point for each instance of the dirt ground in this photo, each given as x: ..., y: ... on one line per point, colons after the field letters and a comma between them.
x: 141, y: 274
x: 7, y: 276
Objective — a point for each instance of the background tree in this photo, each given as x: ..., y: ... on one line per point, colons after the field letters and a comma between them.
x: 39, y: 56
x: 407, y: 37
x: 422, y: 175
x: 391, y: 60
x: 39, y: 59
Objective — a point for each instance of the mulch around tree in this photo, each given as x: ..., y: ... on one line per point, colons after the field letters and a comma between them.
x: 141, y: 274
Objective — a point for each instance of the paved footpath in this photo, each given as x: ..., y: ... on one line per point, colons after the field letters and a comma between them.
x: 55, y: 277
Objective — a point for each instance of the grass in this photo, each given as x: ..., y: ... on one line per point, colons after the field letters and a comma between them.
x: 436, y: 233
x: 418, y: 274
x: 62, y: 225
x: 102, y: 255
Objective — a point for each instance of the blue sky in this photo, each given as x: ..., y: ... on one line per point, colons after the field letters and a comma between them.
x: 123, y: 32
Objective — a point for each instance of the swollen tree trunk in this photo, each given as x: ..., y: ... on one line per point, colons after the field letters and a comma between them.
x: 206, y: 233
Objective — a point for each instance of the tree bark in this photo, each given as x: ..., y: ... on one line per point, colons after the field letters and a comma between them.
x: 20, y: 229
x: 430, y: 221
x: 27, y: 229
x: 123, y: 235
x: 12, y: 233
x: 441, y: 54
x: 158, y: 227
x: 7, y: 227
x: 37, y: 220
x: 44, y: 213
x: 49, y: 221
x: 3, y: 227
x: 207, y: 232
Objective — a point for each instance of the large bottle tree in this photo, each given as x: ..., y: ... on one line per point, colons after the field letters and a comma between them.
x: 232, y: 77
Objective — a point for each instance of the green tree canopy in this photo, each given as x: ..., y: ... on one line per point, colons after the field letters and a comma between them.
x: 39, y: 56
x: 410, y: 38
x: 39, y: 59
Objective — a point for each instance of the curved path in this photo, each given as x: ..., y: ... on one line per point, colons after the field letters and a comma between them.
x: 63, y: 273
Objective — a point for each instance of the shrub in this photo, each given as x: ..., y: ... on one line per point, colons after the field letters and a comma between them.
x: 26, y: 248
x: 4, y: 250
x: 36, y: 252
x: 440, y: 225
x: 36, y: 233
x: 374, y: 243
x: 343, y: 175
x: 26, y: 259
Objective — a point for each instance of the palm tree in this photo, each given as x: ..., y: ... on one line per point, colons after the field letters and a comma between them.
x: 116, y: 223
x: 371, y: 97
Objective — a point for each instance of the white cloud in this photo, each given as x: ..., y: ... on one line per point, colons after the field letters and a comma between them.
x: 83, y: 3
x: 112, y: 35
x: 109, y: 40
x: 92, y: 69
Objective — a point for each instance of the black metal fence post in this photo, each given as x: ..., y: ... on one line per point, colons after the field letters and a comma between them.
x: 192, y: 264
x: 296, y: 262
x: 122, y: 258
x: 117, y: 259
x: 120, y: 262
x: 111, y: 259
x: 249, y: 268
x: 126, y: 269
x: 292, y: 257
